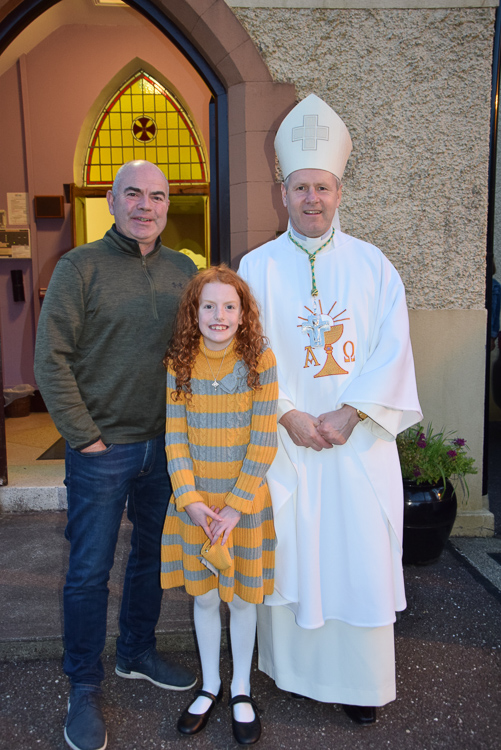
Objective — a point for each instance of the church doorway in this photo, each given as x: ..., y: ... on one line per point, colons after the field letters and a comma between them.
x: 196, y: 165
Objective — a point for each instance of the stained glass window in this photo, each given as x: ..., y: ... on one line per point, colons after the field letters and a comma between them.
x: 145, y: 121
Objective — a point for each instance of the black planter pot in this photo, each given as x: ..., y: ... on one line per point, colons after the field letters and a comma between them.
x: 429, y: 515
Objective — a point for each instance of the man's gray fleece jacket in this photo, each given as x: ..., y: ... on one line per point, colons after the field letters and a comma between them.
x: 105, y: 324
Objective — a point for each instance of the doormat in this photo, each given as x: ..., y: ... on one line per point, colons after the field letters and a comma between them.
x: 55, y: 452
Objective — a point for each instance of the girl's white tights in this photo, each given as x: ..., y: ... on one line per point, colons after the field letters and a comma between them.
x: 243, y: 633
x: 208, y: 629
x: 243, y: 618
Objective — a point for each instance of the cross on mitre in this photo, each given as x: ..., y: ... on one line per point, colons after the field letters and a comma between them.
x: 313, y: 136
x: 310, y: 133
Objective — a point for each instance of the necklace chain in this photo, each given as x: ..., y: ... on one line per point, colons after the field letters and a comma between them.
x: 311, y: 258
x: 215, y: 383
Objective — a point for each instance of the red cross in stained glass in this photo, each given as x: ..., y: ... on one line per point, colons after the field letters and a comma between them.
x: 144, y: 129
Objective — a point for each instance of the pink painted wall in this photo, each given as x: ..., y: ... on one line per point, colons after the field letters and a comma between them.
x: 16, y: 317
x: 65, y: 74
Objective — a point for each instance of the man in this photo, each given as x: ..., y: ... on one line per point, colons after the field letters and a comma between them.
x: 103, y: 331
x: 334, y: 310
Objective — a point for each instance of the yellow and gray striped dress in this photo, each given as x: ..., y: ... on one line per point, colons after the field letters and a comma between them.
x: 220, y: 445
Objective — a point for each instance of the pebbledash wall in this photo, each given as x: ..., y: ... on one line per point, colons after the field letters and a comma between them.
x: 412, y: 81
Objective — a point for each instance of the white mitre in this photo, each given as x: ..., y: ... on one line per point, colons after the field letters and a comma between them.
x: 313, y: 136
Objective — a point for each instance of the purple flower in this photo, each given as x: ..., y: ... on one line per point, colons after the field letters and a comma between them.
x: 460, y: 442
x: 452, y: 454
x: 416, y: 472
x: 421, y: 441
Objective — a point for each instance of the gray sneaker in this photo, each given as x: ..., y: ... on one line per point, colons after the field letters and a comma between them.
x: 162, y: 673
x: 85, y: 728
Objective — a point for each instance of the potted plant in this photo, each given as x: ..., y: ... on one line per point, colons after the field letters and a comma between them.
x: 428, y: 461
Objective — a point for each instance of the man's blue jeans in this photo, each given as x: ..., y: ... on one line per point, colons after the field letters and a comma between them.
x: 98, y: 487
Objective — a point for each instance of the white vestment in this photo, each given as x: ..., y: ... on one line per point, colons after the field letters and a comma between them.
x: 338, y: 512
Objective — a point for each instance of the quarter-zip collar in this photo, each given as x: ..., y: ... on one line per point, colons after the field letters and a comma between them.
x: 127, y: 245
x: 130, y: 247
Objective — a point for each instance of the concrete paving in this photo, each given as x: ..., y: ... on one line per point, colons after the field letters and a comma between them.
x: 33, y: 563
x: 448, y: 648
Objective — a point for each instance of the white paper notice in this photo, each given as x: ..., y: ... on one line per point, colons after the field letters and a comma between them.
x: 17, y: 207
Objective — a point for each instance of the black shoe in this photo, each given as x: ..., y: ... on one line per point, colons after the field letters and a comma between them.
x: 245, y: 732
x: 85, y: 728
x: 160, y: 672
x: 194, y: 723
x: 361, y: 714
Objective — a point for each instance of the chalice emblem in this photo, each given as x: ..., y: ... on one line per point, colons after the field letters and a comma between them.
x: 323, y: 331
x: 331, y: 367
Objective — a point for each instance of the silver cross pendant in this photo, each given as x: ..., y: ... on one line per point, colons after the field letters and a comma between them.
x: 315, y: 327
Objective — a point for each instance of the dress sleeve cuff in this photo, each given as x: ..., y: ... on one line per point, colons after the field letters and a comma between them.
x: 187, y: 498
x: 238, y: 503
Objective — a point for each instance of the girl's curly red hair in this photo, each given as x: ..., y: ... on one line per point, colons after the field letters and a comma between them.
x: 185, y: 343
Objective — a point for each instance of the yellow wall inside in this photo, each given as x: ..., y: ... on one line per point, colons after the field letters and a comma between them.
x: 97, y: 218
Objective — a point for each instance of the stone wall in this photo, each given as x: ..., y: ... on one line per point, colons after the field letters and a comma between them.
x: 414, y: 88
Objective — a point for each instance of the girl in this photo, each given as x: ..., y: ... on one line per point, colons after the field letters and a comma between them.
x: 221, y: 439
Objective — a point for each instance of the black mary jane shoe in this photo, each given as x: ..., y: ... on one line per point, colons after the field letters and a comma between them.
x: 361, y: 714
x: 245, y: 732
x: 194, y: 723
